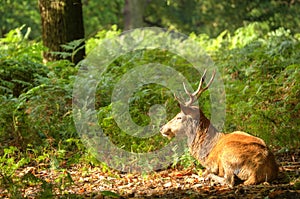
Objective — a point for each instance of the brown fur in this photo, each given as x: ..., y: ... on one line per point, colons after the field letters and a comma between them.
x: 225, y: 156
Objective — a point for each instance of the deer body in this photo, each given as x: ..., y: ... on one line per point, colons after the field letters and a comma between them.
x: 225, y: 156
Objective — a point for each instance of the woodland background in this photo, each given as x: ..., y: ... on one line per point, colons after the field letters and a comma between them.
x: 254, y: 44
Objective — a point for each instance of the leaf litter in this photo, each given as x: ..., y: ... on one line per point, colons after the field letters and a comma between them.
x: 85, y: 181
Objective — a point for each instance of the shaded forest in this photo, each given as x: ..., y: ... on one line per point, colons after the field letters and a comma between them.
x: 255, y: 47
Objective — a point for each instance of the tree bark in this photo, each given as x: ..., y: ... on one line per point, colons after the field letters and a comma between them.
x: 133, y: 14
x: 62, y: 22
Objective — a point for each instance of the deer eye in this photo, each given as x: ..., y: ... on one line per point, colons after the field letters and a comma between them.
x: 179, y: 118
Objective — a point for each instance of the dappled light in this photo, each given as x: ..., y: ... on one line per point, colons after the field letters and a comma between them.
x: 92, y: 116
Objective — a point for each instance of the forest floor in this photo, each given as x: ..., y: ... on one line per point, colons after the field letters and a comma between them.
x: 85, y: 181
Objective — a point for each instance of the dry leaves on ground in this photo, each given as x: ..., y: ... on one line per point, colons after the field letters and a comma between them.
x: 81, y: 181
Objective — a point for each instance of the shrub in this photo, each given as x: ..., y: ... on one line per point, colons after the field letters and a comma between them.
x: 20, y: 63
x: 36, y: 100
x: 260, y: 69
x: 262, y: 85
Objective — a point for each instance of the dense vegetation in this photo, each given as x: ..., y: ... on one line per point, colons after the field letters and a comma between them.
x: 260, y: 69
x: 210, y: 17
x: 259, y: 63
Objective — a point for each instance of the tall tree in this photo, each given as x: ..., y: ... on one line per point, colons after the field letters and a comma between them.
x: 133, y: 14
x: 62, y: 22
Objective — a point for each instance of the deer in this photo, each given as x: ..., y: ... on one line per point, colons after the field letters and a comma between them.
x: 228, y: 158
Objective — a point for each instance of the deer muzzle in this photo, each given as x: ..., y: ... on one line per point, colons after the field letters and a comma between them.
x: 166, y: 132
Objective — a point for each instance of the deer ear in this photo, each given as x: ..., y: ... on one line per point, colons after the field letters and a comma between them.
x: 193, y: 111
x: 185, y: 109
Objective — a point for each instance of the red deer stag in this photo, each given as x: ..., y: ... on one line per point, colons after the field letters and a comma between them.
x: 225, y: 156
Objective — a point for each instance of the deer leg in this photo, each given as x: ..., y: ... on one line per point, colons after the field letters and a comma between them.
x: 206, y: 172
x: 229, y: 175
x: 228, y: 178
x: 204, y: 175
x: 251, y: 180
x: 215, y: 178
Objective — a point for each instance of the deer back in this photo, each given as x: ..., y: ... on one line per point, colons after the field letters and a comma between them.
x: 225, y: 155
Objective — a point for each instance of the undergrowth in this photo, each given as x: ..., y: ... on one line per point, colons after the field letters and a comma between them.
x: 260, y: 69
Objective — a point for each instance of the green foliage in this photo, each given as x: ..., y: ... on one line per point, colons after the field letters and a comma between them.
x: 45, y: 110
x: 13, y: 160
x: 102, y: 15
x: 210, y: 16
x: 141, y: 101
x: 260, y: 69
x: 36, y: 100
x: 110, y: 194
x: 71, y: 49
x: 213, y: 16
x: 185, y: 160
x: 16, y: 13
x: 262, y: 83
x: 20, y: 69
x: 20, y: 63
x: 10, y: 161
x: 261, y: 73
x: 259, y: 64
x: 100, y: 36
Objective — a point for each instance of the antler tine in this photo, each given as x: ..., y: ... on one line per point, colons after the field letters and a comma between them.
x: 195, y: 95
x: 191, y: 100
x: 201, y: 90
x: 200, y: 83
x: 186, y: 91
x: 177, y: 99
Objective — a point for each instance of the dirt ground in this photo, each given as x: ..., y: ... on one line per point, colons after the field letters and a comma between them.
x: 92, y: 182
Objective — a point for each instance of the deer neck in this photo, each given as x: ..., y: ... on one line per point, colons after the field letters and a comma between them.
x: 205, y: 137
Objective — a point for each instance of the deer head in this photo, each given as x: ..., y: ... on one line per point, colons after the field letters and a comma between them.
x: 190, y: 116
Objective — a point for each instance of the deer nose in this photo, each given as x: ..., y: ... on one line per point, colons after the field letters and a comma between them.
x: 161, y: 129
x: 165, y: 131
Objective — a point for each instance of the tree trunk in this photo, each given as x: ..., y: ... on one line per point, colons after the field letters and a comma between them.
x: 62, y: 22
x: 133, y: 14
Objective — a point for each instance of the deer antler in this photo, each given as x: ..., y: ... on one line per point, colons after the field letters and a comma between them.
x: 195, y: 95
